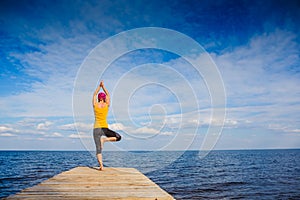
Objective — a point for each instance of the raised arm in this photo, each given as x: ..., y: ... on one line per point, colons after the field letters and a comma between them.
x: 95, y: 96
x: 107, y: 100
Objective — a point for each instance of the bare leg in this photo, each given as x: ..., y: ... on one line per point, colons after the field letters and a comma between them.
x: 107, y: 139
x: 99, y: 157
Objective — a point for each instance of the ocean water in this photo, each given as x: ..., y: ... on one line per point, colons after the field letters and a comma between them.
x: 239, y: 174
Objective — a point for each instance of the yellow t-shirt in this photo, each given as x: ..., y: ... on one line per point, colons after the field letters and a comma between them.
x: 100, y: 117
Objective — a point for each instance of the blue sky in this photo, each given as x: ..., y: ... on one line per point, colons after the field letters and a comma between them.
x: 254, y: 44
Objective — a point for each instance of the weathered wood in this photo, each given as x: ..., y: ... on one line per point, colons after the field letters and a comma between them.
x: 90, y: 183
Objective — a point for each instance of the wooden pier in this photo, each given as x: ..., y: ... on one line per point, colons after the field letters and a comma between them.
x: 90, y: 183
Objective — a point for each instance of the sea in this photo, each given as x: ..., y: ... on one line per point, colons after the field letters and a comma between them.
x: 221, y: 174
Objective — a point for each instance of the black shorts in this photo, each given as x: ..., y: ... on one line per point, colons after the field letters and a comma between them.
x: 99, y: 132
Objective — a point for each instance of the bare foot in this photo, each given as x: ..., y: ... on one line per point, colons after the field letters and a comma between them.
x: 101, y: 168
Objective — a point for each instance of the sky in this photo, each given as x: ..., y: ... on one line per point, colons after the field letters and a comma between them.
x: 50, y: 64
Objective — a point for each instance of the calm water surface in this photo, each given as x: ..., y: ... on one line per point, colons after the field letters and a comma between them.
x: 242, y: 174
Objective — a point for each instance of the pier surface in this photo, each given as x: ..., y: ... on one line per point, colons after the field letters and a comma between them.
x: 90, y: 183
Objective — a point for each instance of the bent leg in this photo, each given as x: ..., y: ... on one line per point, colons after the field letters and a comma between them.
x: 111, y: 134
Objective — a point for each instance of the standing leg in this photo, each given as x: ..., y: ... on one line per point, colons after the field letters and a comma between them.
x: 99, y: 158
x: 97, y: 133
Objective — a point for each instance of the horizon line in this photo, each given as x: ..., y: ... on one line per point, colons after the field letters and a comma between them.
x: 74, y: 150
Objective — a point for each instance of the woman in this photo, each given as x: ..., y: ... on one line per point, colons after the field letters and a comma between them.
x: 101, y: 102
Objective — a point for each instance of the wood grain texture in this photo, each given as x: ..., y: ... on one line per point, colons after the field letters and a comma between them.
x: 90, y: 183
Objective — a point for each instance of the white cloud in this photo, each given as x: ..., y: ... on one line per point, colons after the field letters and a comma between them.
x: 295, y: 131
x: 138, y: 130
x: 260, y: 88
x: 61, y: 48
x: 284, y: 128
x: 54, y: 135
x: 44, y: 126
x: 255, y: 72
x: 260, y: 83
x: 52, y: 77
x: 80, y: 135
x: 74, y: 136
x: 145, y: 130
x: 79, y: 125
x: 168, y: 133
x: 6, y: 129
x: 7, y: 135
x: 117, y: 127
x: 70, y: 127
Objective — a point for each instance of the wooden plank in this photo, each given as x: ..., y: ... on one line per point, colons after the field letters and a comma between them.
x: 90, y: 183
